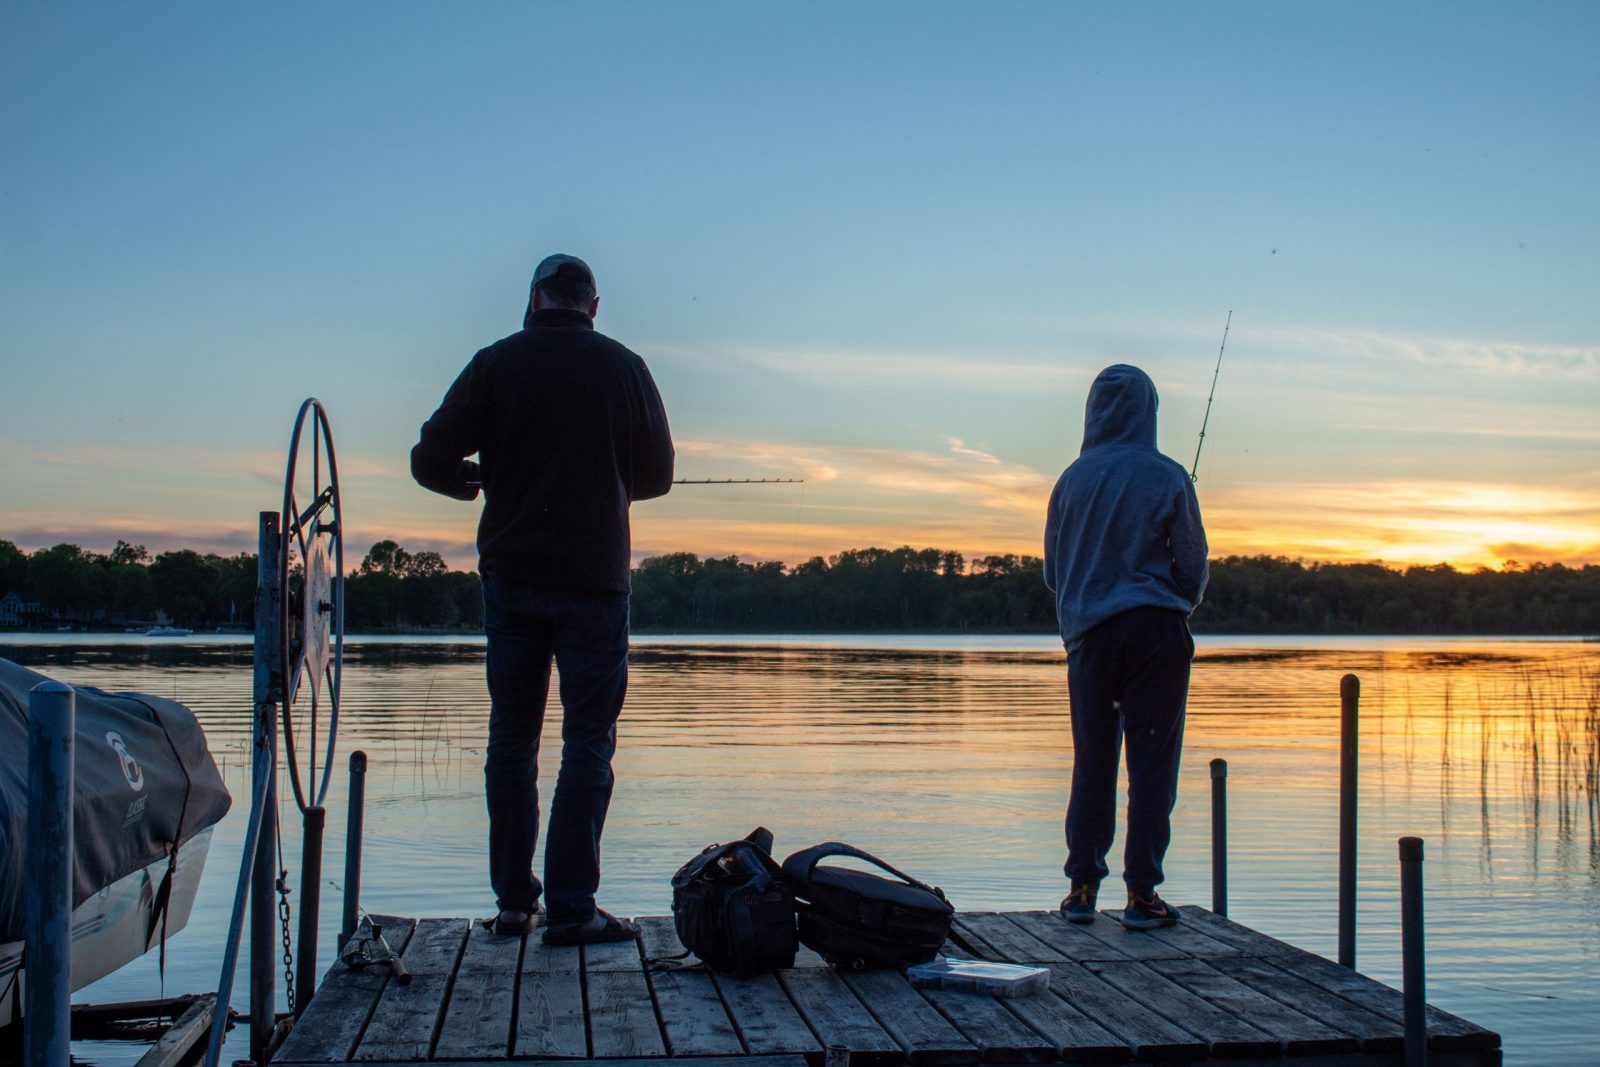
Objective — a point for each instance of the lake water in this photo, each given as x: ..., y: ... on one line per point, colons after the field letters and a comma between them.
x: 950, y: 756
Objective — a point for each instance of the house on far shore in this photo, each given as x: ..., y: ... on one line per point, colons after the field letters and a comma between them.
x: 17, y: 610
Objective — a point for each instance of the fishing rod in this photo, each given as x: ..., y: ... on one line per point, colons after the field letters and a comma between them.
x: 1194, y: 471
x: 737, y: 481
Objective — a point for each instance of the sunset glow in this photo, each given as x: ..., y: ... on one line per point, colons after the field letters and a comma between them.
x: 852, y: 259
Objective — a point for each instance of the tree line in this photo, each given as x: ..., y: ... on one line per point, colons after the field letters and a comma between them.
x: 867, y: 589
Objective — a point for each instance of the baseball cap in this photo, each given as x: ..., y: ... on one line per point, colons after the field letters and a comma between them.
x: 563, y: 265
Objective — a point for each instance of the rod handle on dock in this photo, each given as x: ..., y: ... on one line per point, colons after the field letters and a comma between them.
x: 1412, y: 970
x: 1349, y: 755
x: 1219, y: 836
x: 47, y: 902
x: 398, y: 969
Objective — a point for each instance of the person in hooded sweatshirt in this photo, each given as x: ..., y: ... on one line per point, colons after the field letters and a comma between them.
x: 1125, y: 555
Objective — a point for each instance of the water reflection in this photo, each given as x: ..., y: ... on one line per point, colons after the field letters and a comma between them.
x: 953, y: 762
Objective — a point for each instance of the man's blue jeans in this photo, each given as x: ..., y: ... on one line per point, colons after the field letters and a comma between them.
x: 1127, y: 678
x: 587, y: 636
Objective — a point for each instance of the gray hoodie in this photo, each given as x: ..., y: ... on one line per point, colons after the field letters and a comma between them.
x: 1123, y: 530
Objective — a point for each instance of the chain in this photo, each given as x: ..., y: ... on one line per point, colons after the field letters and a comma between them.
x: 288, y: 948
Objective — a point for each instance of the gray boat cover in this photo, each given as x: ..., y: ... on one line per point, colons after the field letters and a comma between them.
x: 144, y: 783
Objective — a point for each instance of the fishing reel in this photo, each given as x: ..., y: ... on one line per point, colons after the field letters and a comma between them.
x: 311, y: 602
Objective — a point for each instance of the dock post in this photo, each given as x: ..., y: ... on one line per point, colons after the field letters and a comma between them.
x: 1413, y: 973
x: 837, y: 1056
x: 1349, y: 755
x: 269, y: 687
x: 47, y: 905
x: 305, y: 974
x: 1219, y: 836
x: 352, y: 848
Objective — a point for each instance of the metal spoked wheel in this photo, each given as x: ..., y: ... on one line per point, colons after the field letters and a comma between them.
x: 311, y: 585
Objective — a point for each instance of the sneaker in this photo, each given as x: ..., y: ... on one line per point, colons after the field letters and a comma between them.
x: 1078, y: 906
x: 515, y: 923
x: 599, y: 929
x: 1147, y: 913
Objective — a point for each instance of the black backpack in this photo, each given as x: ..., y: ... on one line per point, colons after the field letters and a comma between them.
x: 857, y: 920
x: 733, y: 908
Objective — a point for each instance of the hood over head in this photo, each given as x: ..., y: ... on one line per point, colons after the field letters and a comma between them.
x: 1121, y: 409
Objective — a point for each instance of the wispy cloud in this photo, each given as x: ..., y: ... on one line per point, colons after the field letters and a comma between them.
x: 157, y: 462
x: 984, y: 372
x: 1473, y: 355
x: 973, y: 476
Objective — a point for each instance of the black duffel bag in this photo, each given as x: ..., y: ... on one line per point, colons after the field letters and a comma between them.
x: 858, y: 920
x: 733, y: 908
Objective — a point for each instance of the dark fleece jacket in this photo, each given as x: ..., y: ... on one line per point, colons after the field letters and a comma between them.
x: 569, y: 430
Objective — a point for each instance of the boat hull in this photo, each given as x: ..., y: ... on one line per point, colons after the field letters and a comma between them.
x: 112, y: 928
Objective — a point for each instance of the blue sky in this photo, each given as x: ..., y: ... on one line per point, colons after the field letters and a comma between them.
x: 882, y: 247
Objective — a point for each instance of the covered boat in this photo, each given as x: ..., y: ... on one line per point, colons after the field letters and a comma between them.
x: 146, y: 794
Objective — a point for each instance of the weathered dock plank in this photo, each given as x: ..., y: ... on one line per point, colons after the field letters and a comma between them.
x: 764, y: 1016
x: 1129, y: 944
x: 693, y: 1018
x: 1183, y: 939
x: 477, y: 1019
x: 1207, y: 990
x: 1247, y: 941
x: 405, y: 1020
x: 1374, y: 1033
x: 761, y: 1015
x: 334, y: 1020
x: 836, y: 1016
x: 550, y: 1017
x: 658, y: 939
x: 1072, y: 940
x: 407, y: 1017
x: 1075, y: 1037
x: 1001, y: 1036
x: 552, y: 959
x: 1446, y: 1032
x: 622, y: 1019
x: 434, y: 946
x: 1223, y: 1033
x: 905, y: 1014
x: 1299, y: 1034
x: 178, y: 1045
x: 1148, y: 1035
x: 1011, y: 941
x: 327, y: 1031
x: 622, y: 1016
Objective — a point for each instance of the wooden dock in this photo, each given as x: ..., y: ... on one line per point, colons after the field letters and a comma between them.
x: 1207, y: 990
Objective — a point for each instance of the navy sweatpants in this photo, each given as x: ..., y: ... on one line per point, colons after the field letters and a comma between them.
x: 1129, y: 676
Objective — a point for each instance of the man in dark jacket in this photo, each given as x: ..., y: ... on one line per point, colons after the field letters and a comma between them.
x: 1125, y: 554
x: 569, y: 431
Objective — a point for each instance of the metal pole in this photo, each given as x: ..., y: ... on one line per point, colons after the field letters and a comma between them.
x: 1349, y: 754
x: 268, y: 693
x: 1413, y: 976
x: 47, y: 905
x: 1219, y: 836
x: 352, y: 848
x: 305, y: 975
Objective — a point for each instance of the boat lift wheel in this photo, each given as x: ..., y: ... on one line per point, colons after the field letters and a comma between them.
x: 311, y: 604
